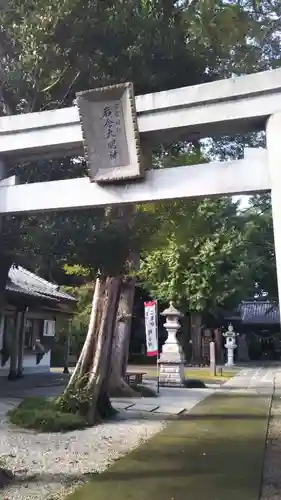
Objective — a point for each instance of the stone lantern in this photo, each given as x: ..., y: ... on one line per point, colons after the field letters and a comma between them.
x: 171, y: 362
x: 230, y: 344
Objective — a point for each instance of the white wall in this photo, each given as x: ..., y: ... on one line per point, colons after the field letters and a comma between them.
x: 29, y: 365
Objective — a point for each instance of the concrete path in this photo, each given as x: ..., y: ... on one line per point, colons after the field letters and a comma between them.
x: 214, y: 451
x: 259, y: 380
x: 171, y: 401
x: 174, y: 401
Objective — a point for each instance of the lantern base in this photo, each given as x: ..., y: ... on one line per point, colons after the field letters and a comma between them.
x: 229, y: 364
x: 171, y: 374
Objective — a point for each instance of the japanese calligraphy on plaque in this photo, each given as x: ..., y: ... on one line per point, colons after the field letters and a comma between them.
x: 110, y: 133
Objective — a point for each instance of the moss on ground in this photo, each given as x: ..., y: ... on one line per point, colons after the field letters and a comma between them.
x: 213, y: 453
x: 42, y: 414
x: 46, y: 415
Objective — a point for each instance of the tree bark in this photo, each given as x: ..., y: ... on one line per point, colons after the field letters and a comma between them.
x: 126, y: 355
x: 84, y: 361
x: 87, y: 391
x: 195, y: 324
x: 98, y: 383
x: 119, y: 356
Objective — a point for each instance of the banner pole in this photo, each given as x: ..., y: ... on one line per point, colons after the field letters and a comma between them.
x: 151, y: 332
x: 158, y: 375
x: 157, y: 357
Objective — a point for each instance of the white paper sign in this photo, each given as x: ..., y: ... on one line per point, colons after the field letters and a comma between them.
x: 49, y: 329
x: 151, y: 328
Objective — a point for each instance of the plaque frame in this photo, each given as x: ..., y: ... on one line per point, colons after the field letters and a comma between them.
x: 89, y: 104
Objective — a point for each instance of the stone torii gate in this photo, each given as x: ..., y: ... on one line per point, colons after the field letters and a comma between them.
x: 238, y: 105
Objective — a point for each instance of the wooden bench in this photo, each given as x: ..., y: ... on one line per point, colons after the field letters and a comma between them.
x: 134, y: 378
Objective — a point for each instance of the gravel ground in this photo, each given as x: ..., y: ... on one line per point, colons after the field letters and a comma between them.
x: 271, y: 488
x: 50, y: 465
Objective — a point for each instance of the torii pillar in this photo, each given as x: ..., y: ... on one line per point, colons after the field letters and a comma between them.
x: 273, y: 140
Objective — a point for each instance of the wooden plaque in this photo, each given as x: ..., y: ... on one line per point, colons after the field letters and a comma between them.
x: 110, y: 133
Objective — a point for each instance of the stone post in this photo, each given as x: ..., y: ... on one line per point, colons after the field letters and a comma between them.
x: 171, y: 362
x: 213, y: 366
x: 230, y: 344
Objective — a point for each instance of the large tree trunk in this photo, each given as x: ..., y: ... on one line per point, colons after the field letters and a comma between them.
x: 84, y: 361
x: 119, y: 355
x: 87, y: 391
x: 195, y: 325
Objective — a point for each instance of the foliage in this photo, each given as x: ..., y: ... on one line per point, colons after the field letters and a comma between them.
x: 260, y: 245
x: 73, y: 45
x: 195, y: 251
x: 79, y: 322
x: 195, y: 256
x: 44, y: 415
x: 77, y: 399
x: 209, y: 254
x: 108, y: 42
x: 77, y: 325
x: 199, y: 269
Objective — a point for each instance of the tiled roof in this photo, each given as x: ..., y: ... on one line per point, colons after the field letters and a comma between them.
x: 259, y: 312
x: 21, y: 280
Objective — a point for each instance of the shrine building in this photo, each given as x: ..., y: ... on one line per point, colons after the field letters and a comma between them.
x: 28, y: 314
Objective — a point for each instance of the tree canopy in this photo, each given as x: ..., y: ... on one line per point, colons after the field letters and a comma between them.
x: 195, y: 251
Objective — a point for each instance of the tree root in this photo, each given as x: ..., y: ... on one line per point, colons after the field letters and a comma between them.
x: 78, y: 399
x: 104, y: 407
x: 121, y: 389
